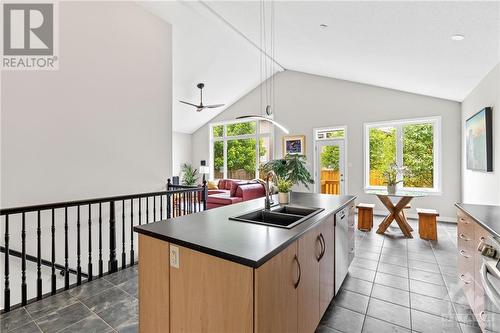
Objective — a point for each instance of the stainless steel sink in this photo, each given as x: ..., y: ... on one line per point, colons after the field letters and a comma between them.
x: 280, y: 216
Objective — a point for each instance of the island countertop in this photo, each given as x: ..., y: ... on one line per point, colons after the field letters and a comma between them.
x: 487, y: 216
x: 249, y: 244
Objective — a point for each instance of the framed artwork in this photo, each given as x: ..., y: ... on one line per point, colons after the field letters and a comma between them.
x: 479, y: 141
x: 294, y: 144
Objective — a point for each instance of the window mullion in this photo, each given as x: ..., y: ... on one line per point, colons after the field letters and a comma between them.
x: 399, y: 151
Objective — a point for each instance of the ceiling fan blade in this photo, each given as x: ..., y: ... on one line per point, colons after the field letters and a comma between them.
x: 213, y: 106
x: 196, y: 106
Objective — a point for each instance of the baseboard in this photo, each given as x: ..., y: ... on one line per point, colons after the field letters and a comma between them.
x: 415, y: 216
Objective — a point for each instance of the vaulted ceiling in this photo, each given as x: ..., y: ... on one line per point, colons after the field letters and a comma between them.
x: 399, y: 45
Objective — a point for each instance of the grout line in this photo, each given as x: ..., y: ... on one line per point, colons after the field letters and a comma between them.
x: 371, y: 291
x: 409, y: 288
x: 29, y: 314
x: 97, y: 316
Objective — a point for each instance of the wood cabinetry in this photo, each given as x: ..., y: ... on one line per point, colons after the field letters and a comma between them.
x: 153, y: 271
x: 327, y: 265
x: 276, y: 293
x: 209, y: 294
x: 199, y: 292
x: 469, y: 236
x: 309, y: 251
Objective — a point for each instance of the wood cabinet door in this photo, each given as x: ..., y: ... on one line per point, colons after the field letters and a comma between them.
x: 275, y: 293
x: 210, y: 294
x: 153, y: 285
x: 309, y: 250
x: 480, y: 305
x: 326, y: 265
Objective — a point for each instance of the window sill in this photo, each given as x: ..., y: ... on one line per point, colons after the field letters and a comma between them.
x: 429, y: 193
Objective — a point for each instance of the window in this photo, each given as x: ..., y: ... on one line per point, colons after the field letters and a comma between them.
x: 239, y: 148
x: 332, y: 133
x: 414, y: 144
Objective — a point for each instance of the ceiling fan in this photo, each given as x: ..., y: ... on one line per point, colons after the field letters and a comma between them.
x: 201, y: 106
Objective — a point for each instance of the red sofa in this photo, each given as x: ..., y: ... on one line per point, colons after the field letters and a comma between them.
x: 233, y: 191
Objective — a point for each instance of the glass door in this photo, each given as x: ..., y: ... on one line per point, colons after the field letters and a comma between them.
x: 329, y: 173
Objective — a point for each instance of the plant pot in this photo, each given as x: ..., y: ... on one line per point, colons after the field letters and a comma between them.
x: 391, y: 189
x: 284, y: 197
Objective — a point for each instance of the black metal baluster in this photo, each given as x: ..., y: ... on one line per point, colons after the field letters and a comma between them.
x: 184, y: 201
x: 179, y: 198
x: 140, y: 213
x: 89, y: 268
x: 100, y: 239
x: 169, y: 207
x: 147, y: 210
x: 196, y: 195
x: 23, y: 261
x: 38, y: 258
x: 66, y: 266
x: 154, y: 208
x: 78, y: 249
x: 205, y: 194
x: 124, y: 264
x: 112, y: 263
x: 53, y: 267
x: 161, y: 207
x: 132, y: 254
x: 6, y: 292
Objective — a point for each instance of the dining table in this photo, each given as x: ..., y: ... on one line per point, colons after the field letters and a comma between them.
x: 395, y: 208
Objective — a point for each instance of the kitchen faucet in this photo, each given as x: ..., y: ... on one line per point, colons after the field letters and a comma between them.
x: 269, y: 200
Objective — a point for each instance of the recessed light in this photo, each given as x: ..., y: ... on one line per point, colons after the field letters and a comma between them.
x: 457, y: 37
x: 323, y: 26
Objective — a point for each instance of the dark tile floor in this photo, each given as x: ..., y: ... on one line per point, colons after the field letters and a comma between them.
x: 394, y: 285
x: 401, y: 285
x: 103, y: 305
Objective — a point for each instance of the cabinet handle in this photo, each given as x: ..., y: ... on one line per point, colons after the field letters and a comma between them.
x: 462, y: 236
x: 482, y: 315
x: 464, y: 220
x: 461, y: 277
x: 296, y: 284
x: 323, y: 246
x: 462, y: 253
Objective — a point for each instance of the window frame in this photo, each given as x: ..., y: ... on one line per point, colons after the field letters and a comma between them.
x: 435, y: 121
x: 225, y: 138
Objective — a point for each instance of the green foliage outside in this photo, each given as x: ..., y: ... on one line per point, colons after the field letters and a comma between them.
x: 330, y: 158
x: 418, y: 154
x: 241, y: 154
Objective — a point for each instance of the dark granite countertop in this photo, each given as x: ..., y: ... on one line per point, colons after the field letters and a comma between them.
x: 249, y: 244
x: 487, y: 216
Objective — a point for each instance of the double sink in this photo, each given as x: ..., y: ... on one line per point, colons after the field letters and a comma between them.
x: 286, y: 216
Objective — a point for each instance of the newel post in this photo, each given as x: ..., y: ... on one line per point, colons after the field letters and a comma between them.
x: 205, y: 195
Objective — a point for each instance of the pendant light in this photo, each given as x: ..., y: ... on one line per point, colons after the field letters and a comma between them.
x: 265, y: 64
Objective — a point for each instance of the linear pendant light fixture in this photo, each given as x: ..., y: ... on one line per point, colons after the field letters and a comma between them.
x: 257, y: 117
x: 269, y: 82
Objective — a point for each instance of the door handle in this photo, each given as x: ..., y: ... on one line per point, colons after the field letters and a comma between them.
x: 296, y: 284
x: 323, y: 246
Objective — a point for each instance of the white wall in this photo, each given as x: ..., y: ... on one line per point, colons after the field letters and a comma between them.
x: 483, y: 187
x: 304, y: 102
x: 102, y: 124
x: 181, y: 152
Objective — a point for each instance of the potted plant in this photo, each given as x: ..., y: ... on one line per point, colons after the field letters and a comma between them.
x: 393, y: 176
x: 284, y: 188
x: 190, y: 175
x: 292, y: 170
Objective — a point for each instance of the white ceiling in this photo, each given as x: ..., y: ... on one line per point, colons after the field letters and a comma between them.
x: 399, y: 45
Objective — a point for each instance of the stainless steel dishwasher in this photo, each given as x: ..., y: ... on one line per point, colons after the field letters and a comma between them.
x: 344, y: 243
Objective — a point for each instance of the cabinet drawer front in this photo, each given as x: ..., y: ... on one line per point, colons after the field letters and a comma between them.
x: 464, y: 223
x: 466, y: 240
x: 466, y: 273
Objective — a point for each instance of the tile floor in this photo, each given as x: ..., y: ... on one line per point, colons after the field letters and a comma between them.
x: 394, y: 285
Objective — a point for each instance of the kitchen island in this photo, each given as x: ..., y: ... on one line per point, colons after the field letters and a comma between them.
x: 205, y: 272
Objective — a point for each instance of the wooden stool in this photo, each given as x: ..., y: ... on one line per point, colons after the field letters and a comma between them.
x: 427, y: 224
x: 365, y: 216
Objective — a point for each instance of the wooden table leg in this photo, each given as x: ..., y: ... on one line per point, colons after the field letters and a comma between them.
x: 395, y: 213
